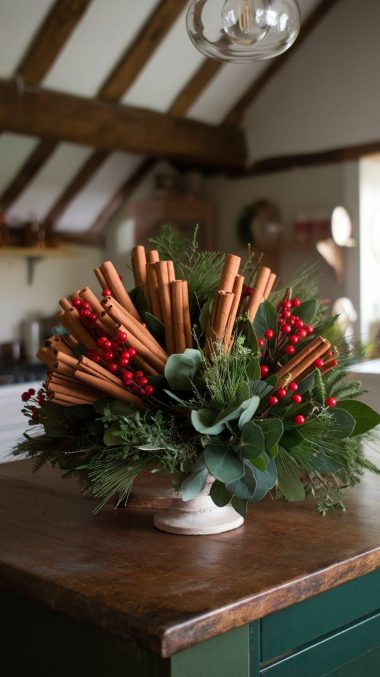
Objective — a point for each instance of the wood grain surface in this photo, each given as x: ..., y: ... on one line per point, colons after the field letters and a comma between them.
x: 163, y: 592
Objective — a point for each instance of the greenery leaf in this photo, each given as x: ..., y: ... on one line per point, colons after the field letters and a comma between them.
x: 244, y: 487
x: 366, y: 418
x: 306, y: 311
x: 194, y: 483
x: 155, y: 327
x: 272, y: 430
x: 203, y: 421
x: 251, y: 441
x: 344, y: 423
x: 240, y: 506
x: 222, y: 462
x: 266, y: 318
x: 265, y: 479
x: 306, y: 384
x: 205, y: 315
x: 289, y: 482
x: 220, y: 494
x: 112, y: 436
x: 249, y: 408
x: 180, y: 370
x: 245, y: 328
x: 138, y: 299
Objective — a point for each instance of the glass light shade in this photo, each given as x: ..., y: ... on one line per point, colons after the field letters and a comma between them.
x: 243, y: 30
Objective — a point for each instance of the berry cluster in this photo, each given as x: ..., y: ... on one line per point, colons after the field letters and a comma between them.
x: 86, y: 313
x: 116, y: 358
x: 35, y: 402
x: 292, y: 330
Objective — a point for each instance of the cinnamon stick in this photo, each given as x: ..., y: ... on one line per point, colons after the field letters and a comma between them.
x: 153, y: 294
x: 152, y: 256
x: 139, y: 266
x: 88, y: 365
x: 65, y: 303
x: 257, y: 294
x: 237, y: 292
x: 72, y: 319
x: 146, y: 353
x: 111, y: 389
x: 139, y: 330
x: 270, y: 284
x: 116, y: 286
x: 178, y: 315
x: 100, y: 277
x: 67, y: 400
x: 186, y: 315
x: 162, y: 270
x: 77, y: 390
x: 147, y: 368
x: 224, y: 308
x: 302, y: 355
x: 230, y: 271
x: 46, y: 357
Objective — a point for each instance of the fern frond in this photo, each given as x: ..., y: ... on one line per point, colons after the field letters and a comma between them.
x: 319, y: 389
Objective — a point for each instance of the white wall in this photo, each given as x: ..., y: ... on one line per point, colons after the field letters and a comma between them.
x: 369, y: 176
x: 328, y: 93
x: 54, y: 277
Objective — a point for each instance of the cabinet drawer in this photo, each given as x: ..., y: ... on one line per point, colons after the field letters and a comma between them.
x: 359, y: 643
x: 305, y: 622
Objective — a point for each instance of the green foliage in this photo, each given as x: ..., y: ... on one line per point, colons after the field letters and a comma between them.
x: 194, y: 483
x: 222, y: 462
x: 181, y: 369
x: 364, y: 416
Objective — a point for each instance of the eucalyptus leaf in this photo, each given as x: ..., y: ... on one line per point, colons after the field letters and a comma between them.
x: 272, y: 430
x: 253, y: 369
x: 240, y: 506
x: 222, y: 462
x: 259, y: 462
x: 262, y: 388
x: 306, y: 311
x: 251, y: 441
x: 244, y: 487
x: 204, y: 316
x: 194, y: 483
x: 265, y: 479
x: 180, y: 370
x: 179, y: 400
x: 119, y: 408
x: 366, y: 418
x: 249, y: 408
x: 203, y: 421
x: 274, y: 451
x: 220, y: 494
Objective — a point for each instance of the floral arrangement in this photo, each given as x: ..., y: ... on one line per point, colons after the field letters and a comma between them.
x: 207, y: 367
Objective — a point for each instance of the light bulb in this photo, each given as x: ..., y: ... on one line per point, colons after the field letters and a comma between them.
x: 243, y: 30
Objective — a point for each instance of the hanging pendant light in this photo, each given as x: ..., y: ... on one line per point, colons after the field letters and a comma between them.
x: 243, y: 30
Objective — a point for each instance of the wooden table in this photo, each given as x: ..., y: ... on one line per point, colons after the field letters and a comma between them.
x: 290, y: 593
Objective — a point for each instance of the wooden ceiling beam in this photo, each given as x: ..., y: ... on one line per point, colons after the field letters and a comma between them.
x: 108, y: 126
x: 236, y: 113
x: 194, y: 88
x: 50, y: 38
x: 117, y: 83
x: 119, y: 198
x: 143, y: 47
x: 36, y: 62
x: 30, y: 168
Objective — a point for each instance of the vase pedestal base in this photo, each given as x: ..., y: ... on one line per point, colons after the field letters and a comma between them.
x: 197, y: 517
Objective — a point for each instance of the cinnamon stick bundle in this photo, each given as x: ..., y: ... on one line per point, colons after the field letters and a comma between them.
x: 301, y: 362
x: 70, y: 319
x: 111, y: 389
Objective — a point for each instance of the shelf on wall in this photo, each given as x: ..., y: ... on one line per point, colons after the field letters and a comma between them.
x: 33, y: 255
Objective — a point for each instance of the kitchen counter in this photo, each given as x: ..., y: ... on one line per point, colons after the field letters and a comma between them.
x: 290, y: 593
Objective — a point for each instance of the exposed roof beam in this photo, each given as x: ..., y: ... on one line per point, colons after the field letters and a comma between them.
x: 193, y: 89
x: 236, y: 114
x: 139, y: 53
x: 118, y: 199
x: 50, y: 38
x: 117, y: 83
x: 29, y: 169
x: 283, y: 163
x: 105, y: 126
x: 44, y: 49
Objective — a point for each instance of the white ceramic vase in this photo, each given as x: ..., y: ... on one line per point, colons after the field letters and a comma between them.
x: 197, y: 517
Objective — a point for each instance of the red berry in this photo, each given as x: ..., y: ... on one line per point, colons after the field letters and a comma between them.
x: 25, y: 396
x: 281, y: 321
x: 331, y: 402
x: 122, y: 336
x: 281, y: 392
x: 290, y: 350
x: 319, y: 363
x: 149, y: 390
x: 299, y: 419
x: 113, y: 367
x: 85, y: 313
x: 299, y: 323
x: 260, y: 342
x: 296, y: 302
x: 309, y: 328
x: 287, y: 304
x: 124, y: 362
x: 139, y: 374
x: 127, y: 376
x: 93, y: 318
x: 132, y: 352
x: 264, y: 370
x: 269, y: 334
x: 329, y: 353
x: 76, y: 302
x: 293, y: 386
x: 272, y: 400
x: 31, y: 392
x: 107, y: 345
x: 297, y: 399
x: 143, y: 381
x: 109, y: 356
x: 286, y: 329
x: 96, y: 357
x: 294, y: 339
x: 106, y: 292
x: 286, y: 314
x: 114, y: 345
x: 101, y: 341
x: 302, y: 334
x: 334, y: 363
